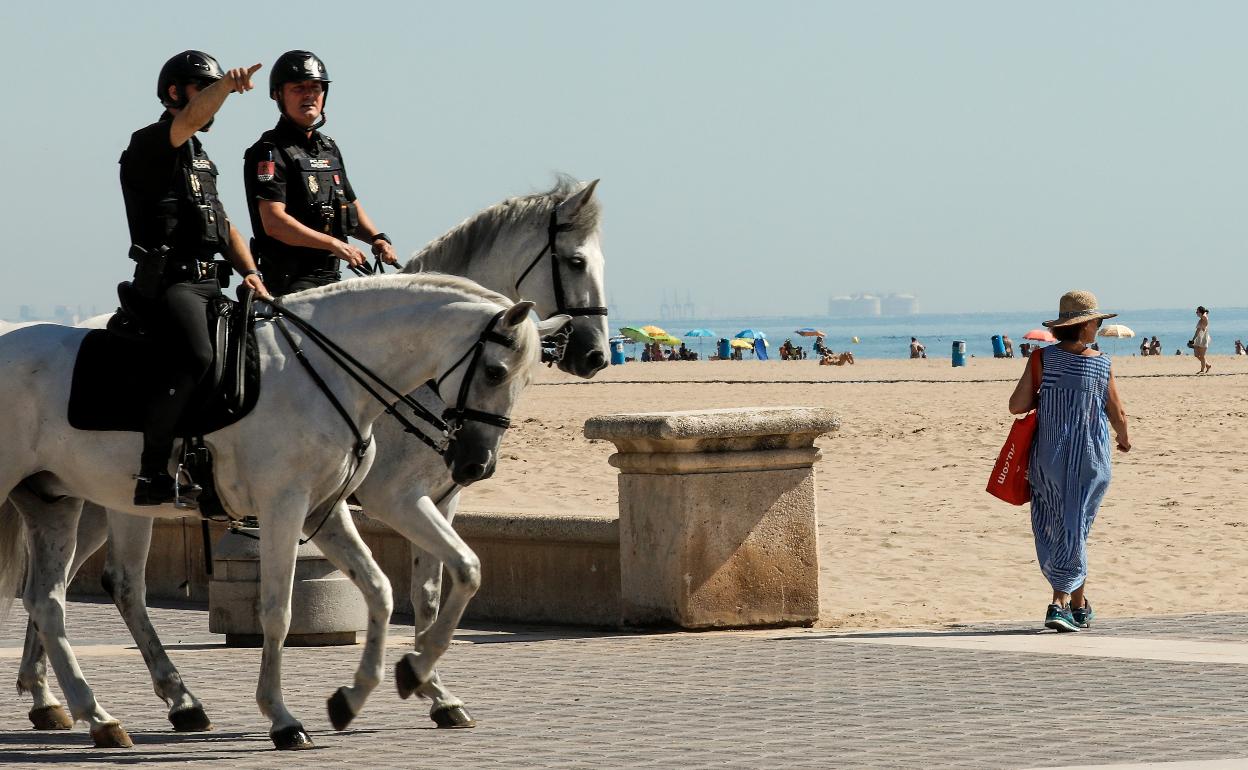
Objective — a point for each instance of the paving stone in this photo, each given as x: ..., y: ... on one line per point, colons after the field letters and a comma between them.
x: 574, y: 699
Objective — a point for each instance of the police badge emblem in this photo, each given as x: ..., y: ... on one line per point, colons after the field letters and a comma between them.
x: 313, y: 187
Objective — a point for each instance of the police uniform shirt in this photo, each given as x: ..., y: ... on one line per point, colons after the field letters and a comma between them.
x: 269, y: 176
x: 159, y: 196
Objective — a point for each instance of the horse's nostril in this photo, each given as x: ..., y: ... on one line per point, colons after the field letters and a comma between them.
x: 470, y: 473
x: 595, y: 359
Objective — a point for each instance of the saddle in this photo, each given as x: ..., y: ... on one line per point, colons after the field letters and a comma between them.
x: 115, y: 369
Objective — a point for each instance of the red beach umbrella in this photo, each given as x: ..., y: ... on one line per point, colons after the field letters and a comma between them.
x: 1040, y: 335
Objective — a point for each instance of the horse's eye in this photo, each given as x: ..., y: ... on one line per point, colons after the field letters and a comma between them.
x: 494, y: 374
x: 576, y: 263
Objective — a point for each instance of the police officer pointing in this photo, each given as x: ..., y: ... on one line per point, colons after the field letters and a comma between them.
x: 177, y: 226
x: 302, y: 205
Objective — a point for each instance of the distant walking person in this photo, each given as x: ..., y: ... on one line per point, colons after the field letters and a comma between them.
x: 1201, y: 339
x: 1069, y: 469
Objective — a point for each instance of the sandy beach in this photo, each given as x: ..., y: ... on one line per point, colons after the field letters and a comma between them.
x: 908, y: 537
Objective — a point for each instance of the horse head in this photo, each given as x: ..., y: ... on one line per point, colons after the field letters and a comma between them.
x: 547, y: 247
x: 482, y: 387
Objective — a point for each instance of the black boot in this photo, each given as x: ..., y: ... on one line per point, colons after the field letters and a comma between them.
x: 154, y: 489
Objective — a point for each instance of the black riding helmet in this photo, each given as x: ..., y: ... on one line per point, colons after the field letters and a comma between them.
x: 296, y: 67
x: 184, y: 68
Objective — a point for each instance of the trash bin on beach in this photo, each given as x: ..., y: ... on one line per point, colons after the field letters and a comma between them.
x: 998, y: 346
x: 617, y: 352
x: 724, y: 349
x: 959, y: 353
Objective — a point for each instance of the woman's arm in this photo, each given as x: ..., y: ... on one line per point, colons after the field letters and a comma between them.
x: 1117, y: 415
x: 1023, y: 399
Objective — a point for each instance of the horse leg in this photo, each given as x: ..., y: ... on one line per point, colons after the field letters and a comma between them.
x: 125, y: 575
x: 279, y: 545
x: 427, y: 578
x: 46, y: 712
x: 415, y: 672
x: 50, y: 541
x: 339, y: 540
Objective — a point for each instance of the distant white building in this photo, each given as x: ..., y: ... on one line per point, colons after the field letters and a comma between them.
x: 863, y: 305
x: 854, y: 306
x: 900, y: 304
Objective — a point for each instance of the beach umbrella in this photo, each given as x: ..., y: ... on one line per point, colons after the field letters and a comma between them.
x: 1115, y: 330
x: 654, y: 331
x: 742, y: 343
x: 666, y: 339
x: 750, y: 334
x: 809, y: 332
x: 634, y: 334
x: 700, y: 333
x: 1040, y: 335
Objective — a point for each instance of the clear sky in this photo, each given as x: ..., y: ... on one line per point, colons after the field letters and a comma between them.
x: 761, y: 156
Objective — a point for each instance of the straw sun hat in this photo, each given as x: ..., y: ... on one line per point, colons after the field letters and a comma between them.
x: 1076, y: 307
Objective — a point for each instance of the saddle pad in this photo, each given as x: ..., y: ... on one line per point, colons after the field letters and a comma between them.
x: 114, y: 376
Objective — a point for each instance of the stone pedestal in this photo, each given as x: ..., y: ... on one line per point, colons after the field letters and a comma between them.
x: 326, y: 607
x: 717, y: 515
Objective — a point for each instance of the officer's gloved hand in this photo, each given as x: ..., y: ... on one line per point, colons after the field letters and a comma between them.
x: 349, y: 254
x: 385, y: 252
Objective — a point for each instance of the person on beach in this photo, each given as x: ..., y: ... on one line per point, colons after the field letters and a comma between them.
x: 1144, y: 349
x: 1155, y: 346
x: 1239, y: 348
x: 177, y: 225
x: 303, y: 208
x: 1201, y: 339
x: 916, y: 349
x: 1069, y: 470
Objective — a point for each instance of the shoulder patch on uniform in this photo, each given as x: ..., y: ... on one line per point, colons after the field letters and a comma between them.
x: 265, y: 170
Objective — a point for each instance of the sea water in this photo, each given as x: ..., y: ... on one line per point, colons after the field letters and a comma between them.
x: 890, y: 337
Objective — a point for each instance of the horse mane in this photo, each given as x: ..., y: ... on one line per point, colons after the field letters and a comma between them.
x: 470, y: 290
x: 474, y: 235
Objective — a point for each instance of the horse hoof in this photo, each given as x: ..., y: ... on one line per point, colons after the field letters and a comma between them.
x: 455, y: 717
x: 405, y: 678
x: 50, y: 718
x: 340, y: 713
x: 292, y: 738
x: 192, y: 720
x: 112, y: 736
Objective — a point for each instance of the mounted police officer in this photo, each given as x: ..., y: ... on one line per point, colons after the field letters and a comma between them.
x: 177, y: 226
x: 302, y: 205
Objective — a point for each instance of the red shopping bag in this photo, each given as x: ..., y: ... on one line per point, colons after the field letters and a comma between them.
x: 1009, y: 476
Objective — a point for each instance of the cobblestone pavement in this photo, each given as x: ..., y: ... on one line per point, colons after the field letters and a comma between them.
x: 790, y: 698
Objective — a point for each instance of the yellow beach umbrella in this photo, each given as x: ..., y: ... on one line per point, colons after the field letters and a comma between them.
x: 743, y: 344
x: 655, y: 331
x: 666, y: 339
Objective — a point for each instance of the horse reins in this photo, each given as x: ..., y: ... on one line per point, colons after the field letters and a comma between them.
x: 552, y: 247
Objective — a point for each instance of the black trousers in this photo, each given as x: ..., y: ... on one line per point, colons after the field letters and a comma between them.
x: 306, y: 281
x: 185, y: 342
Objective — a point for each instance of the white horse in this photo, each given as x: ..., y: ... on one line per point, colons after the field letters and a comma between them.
x: 494, y: 248
x: 291, y: 462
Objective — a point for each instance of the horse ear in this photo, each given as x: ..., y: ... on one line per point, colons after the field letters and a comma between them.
x: 553, y: 324
x: 517, y: 313
x: 567, y: 210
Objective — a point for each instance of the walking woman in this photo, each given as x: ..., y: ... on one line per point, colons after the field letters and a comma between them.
x: 1201, y: 339
x: 1069, y: 469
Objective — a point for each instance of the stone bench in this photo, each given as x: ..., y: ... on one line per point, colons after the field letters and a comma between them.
x: 717, y: 515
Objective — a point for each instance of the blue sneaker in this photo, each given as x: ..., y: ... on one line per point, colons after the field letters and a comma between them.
x: 1060, y: 619
x: 1084, y: 615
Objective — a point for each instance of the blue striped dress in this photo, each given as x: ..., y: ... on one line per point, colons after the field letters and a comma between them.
x: 1069, y: 469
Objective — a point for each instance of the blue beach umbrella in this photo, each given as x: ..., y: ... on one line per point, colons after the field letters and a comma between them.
x: 700, y: 333
x: 750, y: 334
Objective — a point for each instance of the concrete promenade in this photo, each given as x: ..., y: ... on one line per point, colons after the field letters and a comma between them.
x: 1000, y: 695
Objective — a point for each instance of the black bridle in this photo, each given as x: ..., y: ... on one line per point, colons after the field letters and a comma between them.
x: 456, y: 416
x: 452, y: 419
x: 559, y: 340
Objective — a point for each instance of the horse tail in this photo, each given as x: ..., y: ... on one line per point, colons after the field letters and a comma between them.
x: 12, y: 556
